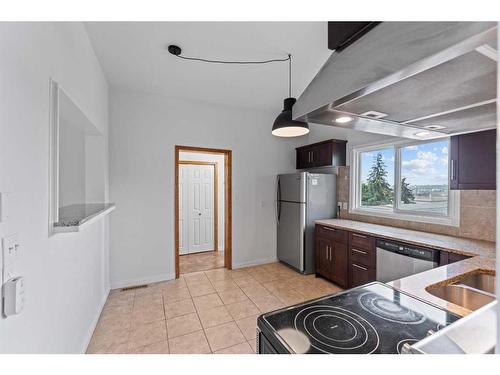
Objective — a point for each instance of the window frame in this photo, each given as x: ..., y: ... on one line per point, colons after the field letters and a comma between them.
x: 452, y: 218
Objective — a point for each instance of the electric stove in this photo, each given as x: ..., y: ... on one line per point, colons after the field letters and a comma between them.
x: 374, y: 318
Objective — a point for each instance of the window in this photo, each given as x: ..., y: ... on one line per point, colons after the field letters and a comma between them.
x: 424, y: 178
x: 377, y: 178
x: 404, y: 180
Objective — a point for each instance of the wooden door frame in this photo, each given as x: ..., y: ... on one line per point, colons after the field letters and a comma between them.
x: 227, y: 201
x: 216, y: 196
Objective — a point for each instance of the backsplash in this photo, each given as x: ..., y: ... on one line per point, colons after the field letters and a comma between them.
x: 477, y: 213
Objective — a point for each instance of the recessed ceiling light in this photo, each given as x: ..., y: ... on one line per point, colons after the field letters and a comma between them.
x: 343, y: 119
x: 374, y: 114
x: 435, y: 127
x: 422, y: 133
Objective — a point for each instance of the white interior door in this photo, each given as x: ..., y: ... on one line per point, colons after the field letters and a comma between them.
x: 198, y: 209
x: 183, y: 209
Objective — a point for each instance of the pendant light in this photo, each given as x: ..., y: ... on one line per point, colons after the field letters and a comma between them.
x: 284, y: 126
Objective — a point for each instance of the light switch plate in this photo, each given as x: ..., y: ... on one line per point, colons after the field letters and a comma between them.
x: 4, y: 207
x: 10, y: 255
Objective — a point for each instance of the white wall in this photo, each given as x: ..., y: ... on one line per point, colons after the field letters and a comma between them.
x: 143, y: 132
x: 66, y: 274
x: 219, y: 159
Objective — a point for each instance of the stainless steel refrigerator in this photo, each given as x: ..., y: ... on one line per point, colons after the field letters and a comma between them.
x: 301, y: 199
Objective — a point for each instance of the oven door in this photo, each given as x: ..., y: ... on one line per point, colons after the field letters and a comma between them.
x: 393, y: 266
x: 263, y: 345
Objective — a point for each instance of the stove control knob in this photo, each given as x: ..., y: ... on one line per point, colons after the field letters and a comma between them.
x: 406, y: 349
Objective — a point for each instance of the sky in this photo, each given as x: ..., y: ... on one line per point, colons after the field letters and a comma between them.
x: 424, y: 164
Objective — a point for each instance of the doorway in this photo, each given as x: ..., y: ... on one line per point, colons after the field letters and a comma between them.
x: 202, y: 209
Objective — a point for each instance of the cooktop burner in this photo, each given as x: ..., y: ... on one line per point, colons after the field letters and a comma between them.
x: 389, y: 310
x: 334, y: 328
x: 374, y: 318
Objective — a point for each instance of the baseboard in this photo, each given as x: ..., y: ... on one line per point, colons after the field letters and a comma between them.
x: 256, y: 262
x: 93, y: 325
x: 141, y: 281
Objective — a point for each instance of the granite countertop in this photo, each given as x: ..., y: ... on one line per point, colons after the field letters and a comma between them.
x: 76, y: 215
x: 482, y: 253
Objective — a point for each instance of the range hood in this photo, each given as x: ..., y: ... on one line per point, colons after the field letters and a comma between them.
x: 418, y: 80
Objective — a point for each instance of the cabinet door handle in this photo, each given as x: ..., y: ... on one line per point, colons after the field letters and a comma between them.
x: 330, y: 229
x: 358, y: 235
x: 330, y: 253
x: 309, y: 156
x: 452, y: 167
x: 359, y: 251
x: 361, y: 268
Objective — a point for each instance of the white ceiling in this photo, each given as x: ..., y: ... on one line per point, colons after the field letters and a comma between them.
x: 134, y: 56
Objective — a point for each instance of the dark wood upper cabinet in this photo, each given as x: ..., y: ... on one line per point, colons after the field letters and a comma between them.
x: 323, y: 154
x: 342, y: 34
x: 473, y: 161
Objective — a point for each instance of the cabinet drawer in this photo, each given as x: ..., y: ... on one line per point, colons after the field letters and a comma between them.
x: 361, y: 275
x: 337, y: 235
x: 362, y: 256
x: 362, y: 241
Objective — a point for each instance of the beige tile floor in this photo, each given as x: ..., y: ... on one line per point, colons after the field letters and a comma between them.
x: 212, y: 311
x: 201, y: 261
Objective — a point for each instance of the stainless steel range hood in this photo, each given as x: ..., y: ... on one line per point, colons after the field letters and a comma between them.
x: 418, y: 80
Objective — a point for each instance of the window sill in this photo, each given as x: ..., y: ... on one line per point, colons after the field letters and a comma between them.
x: 389, y: 214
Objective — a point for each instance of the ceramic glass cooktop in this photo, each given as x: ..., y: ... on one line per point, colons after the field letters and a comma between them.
x: 371, y: 319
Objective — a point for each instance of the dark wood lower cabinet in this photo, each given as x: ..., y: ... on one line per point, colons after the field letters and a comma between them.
x: 360, y: 275
x: 339, y: 257
x: 350, y: 259
x: 323, y: 264
x: 332, y: 255
x: 448, y: 258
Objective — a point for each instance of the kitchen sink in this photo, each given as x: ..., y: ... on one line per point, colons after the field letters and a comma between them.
x: 480, y: 280
x: 472, y: 291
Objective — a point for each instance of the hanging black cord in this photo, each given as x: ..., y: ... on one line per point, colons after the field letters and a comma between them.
x: 232, y: 62
x: 289, y: 76
x: 176, y: 51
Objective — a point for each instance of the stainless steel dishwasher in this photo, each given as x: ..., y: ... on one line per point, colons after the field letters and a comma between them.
x: 396, y: 260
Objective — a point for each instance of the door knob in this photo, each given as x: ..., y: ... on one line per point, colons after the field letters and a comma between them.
x: 199, y: 213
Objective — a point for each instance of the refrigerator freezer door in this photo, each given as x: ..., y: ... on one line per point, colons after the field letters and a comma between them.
x: 321, y: 204
x: 291, y: 227
x: 292, y: 187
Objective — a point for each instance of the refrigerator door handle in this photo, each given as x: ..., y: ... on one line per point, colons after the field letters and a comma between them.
x: 278, y: 200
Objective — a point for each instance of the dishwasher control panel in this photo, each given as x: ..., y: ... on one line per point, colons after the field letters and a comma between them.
x: 409, y: 250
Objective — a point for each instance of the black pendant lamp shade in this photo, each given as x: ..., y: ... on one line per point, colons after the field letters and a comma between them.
x: 284, y: 126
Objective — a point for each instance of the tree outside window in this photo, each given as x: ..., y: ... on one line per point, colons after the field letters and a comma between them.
x: 376, y: 189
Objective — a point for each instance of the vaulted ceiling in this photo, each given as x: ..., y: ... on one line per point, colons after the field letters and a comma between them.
x: 134, y: 56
